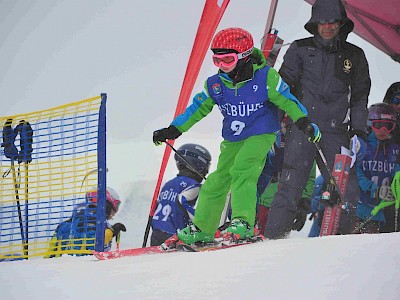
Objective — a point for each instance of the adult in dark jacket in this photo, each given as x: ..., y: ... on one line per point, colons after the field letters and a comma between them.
x: 331, y: 79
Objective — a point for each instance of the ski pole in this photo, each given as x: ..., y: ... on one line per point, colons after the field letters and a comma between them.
x: 395, y: 186
x: 26, y: 207
x: 332, y: 179
x: 25, y: 132
x: 18, y: 207
x: 186, y: 161
x: 11, y: 152
x: 87, y: 176
x: 118, y: 238
x: 362, y: 224
x: 376, y: 209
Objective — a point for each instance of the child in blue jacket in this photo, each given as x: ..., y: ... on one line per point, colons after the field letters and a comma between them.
x: 177, y: 199
x: 376, y: 171
x: 77, y: 234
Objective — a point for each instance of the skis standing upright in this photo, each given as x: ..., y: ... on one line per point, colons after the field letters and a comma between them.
x: 332, y: 199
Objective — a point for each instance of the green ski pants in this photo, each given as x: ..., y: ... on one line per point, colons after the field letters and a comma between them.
x: 239, y: 166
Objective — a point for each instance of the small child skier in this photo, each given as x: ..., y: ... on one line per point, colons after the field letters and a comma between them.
x: 248, y: 94
x: 177, y: 199
x: 76, y: 235
x: 376, y: 171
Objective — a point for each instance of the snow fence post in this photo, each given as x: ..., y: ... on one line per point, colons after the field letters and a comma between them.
x: 102, y: 176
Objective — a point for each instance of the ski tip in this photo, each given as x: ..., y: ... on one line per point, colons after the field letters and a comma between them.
x: 98, y: 255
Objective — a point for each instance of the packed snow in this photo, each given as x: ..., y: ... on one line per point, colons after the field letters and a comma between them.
x: 340, y: 267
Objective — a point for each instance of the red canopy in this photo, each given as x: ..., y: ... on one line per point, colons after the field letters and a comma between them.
x: 377, y: 22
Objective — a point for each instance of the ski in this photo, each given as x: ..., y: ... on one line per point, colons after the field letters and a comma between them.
x: 333, y: 203
x: 219, y: 244
x: 173, y: 244
x: 131, y: 252
x: 167, y: 247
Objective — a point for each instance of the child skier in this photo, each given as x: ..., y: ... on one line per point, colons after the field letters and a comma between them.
x: 376, y: 171
x: 248, y: 94
x: 70, y: 235
x: 177, y: 199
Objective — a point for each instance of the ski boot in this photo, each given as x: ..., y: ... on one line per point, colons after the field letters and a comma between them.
x: 239, y: 230
x: 170, y: 243
x: 192, y: 234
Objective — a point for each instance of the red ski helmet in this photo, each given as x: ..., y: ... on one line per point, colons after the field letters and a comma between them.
x: 112, y: 197
x: 236, y: 39
x: 381, y: 111
x: 382, y: 119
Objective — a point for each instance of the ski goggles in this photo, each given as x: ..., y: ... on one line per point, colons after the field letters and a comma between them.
x: 330, y: 21
x: 382, y: 125
x: 229, y: 59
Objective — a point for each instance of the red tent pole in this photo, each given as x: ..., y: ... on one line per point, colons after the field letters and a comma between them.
x: 210, y: 18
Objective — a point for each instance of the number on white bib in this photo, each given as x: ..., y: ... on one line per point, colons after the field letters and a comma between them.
x: 237, y: 127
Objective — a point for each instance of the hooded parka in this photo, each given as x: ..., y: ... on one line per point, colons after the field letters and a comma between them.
x: 331, y: 79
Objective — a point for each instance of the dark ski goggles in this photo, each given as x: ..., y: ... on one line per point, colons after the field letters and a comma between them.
x: 330, y: 21
x: 380, y: 125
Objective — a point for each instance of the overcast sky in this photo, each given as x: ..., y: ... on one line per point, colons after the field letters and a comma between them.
x: 59, y: 51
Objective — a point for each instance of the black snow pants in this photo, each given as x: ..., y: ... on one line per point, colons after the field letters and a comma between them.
x: 299, y: 155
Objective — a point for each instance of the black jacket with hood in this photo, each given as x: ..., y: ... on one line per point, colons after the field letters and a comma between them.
x: 330, y: 78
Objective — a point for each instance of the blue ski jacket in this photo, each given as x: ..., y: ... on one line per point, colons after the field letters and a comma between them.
x: 375, y: 170
x: 176, y: 204
x: 77, y: 233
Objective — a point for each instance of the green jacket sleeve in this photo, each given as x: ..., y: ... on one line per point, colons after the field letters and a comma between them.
x: 201, y: 106
x: 309, y: 189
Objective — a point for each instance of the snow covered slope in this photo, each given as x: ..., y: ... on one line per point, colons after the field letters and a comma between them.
x: 341, y: 267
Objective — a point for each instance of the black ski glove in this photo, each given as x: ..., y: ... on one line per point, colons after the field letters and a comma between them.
x: 117, y: 228
x: 303, y: 208
x: 310, y: 129
x: 329, y: 195
x: 10, y: 151
x: 161, y: 135
x: 25, y: 131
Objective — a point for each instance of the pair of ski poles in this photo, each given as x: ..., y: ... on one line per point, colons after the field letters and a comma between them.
x: 24, y: 130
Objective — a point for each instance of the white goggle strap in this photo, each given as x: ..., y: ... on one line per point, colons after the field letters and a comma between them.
x: 245, y: 53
